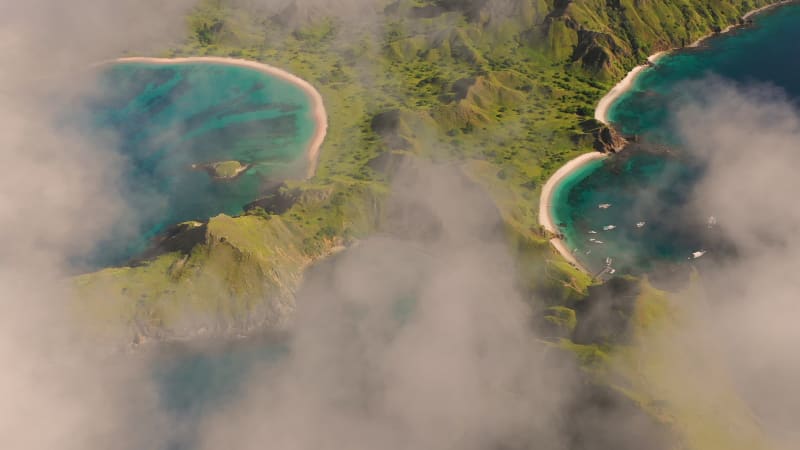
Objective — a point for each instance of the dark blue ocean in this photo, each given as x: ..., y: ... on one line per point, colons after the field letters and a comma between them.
x: 164, y: 118
x: 652, y: 181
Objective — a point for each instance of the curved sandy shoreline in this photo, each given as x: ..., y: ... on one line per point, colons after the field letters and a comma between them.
x: 766, y: 7
x: 601, y: 112
x: 317, y: 106
x: 546, y: 197
x: 601, y: 115
x: 603, y: 106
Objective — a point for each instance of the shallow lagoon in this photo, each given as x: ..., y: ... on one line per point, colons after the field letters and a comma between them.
x: 163, y: 118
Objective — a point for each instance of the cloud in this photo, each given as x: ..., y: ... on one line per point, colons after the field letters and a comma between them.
x: 747, y: 137
x: 416, y: 339
x: 420, y: 341
x: 58, y: 197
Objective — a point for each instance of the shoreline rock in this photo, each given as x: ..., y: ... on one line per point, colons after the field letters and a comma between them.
x: 609, y: 140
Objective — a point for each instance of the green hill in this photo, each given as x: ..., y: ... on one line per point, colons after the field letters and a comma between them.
x: 504, y: 90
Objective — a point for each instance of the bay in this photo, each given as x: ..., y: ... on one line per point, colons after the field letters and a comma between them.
x: 169, y: 120
x: 646, y: 184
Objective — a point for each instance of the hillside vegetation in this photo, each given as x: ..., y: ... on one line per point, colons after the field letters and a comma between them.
x: 504, y: 89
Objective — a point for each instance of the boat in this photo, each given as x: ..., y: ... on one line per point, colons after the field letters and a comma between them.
x: 608, y: 260
x: 609, y: 227
x: 612, y: 271
x: 604, y: 205
x: 592, y: 240
x: 640, y: 224
x: 588, y: 252
x: 592, y: 232
x: 597, y: 241
x: 712, y: 221
x: 698, y: 254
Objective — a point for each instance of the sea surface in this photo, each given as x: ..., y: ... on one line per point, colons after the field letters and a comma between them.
x: 163, y: 118
x: 647, y: 184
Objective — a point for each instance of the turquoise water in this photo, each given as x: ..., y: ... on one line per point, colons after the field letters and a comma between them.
x: 195, y: 383
x: 164, y: 118
x: 646, y: 184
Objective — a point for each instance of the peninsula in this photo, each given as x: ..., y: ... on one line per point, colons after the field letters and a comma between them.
x: 509, y: 99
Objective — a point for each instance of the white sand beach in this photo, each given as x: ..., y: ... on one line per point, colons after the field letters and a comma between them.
x: 317, y: 107
x: 601, y: 115
x: 752, y: 13
x: 546, y: 197
x: 601, y: 112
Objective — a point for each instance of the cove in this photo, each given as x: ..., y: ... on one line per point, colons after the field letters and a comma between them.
x: 653, y: 187
x: 198, y: 139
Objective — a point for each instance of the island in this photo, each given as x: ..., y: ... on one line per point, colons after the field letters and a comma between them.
x: 223, y: 170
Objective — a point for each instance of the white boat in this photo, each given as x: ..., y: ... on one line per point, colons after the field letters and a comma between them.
x: 588, y: 252
x: 609, y: 227
x: 604, y: 205
x: 611, y: 271
x: 592, y: 240
x: 597, y: 241
x: 640, y: 224
x: 712, y: 221
x: 608, y: 260
x: 592, y: 232
x: 698, y: 254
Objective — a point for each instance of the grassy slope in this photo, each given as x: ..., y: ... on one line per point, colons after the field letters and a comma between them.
x: 505, y: 97
x: 669, y: 369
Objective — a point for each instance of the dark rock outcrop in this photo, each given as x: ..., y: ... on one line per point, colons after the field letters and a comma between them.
x: 387, y: 125
x: 608, y: 140
x: 182, y: 237
x: 594, y: 51
x: 277, y: 200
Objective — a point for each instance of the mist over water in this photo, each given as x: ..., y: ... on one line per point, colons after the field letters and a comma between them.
x: 165, y: 118
x: 390, y: 339
x: 653, y: 181
x: 462, y: 369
